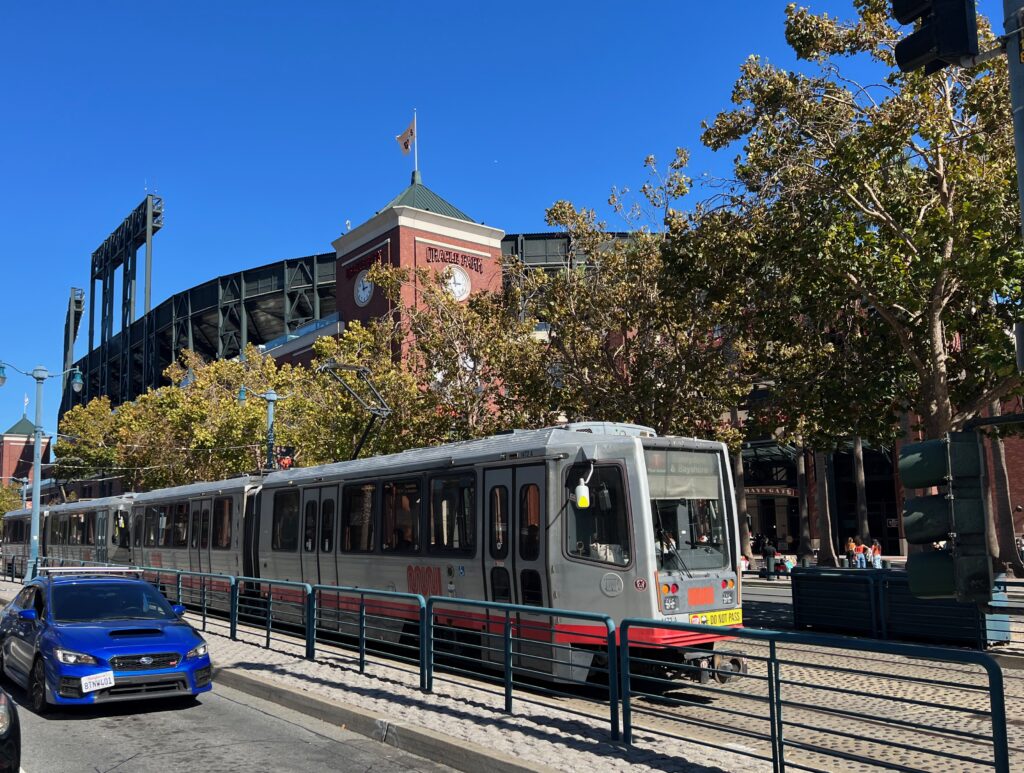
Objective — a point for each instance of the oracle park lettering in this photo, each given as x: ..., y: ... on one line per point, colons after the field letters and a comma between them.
x: 442, y: 255
x: 424, y: 580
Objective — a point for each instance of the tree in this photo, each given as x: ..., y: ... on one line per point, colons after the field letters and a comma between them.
x: 897, y: 199
x: 10, y: 498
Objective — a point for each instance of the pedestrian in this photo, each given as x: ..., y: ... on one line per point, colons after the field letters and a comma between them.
x: 850, y: 552
x: 858, y: 553
x: 876, y: 554
x: 768, y: 554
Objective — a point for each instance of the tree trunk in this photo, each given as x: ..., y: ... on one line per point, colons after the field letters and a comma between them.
x: 1007, y: 558
x: 863, y: 528
x: 804, y: 549
x: 741, y: 504
x: 826, y: 548
x: 741, y: 494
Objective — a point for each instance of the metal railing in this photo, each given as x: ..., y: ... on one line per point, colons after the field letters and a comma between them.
x: 808, y: 703
x: 522, y: 643
x: 804, y: 701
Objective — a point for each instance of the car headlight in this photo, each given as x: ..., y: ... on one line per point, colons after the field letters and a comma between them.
x: 72, y: 658
x: 5, y: 714
x: 197, y: 652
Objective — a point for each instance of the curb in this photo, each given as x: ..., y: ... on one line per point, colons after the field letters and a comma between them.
x: 461, y: 755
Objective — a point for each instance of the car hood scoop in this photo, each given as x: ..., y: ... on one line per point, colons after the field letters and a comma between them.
x: 122, y: 633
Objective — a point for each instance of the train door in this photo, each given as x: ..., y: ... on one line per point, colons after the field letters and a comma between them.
x: 327, y: 551
x: 102, y: 518
x: 307, y: 550
x: 120, y: 537
x: 251, y: 534
x: 135, y: 556
x: 199, y: 548
x: 515, y: 561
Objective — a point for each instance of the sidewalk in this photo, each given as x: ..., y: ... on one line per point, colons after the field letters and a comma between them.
x: 457, y: 725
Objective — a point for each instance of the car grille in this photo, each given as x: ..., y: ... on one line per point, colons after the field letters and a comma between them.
x: 166, y: 686
x: 135, y: 662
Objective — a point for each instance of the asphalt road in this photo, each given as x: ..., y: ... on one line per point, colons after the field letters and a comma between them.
x: 224, y: 730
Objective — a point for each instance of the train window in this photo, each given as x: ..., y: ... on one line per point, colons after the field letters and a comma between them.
x: 119, y: 534
x: 222, y: 508
x: 62, y: 525
x: 309, y: 527
x: 501, y: 588
x: 285, y: 534
x: 152, y: 526
x: 400, y: 527
x: 137, y: 528
x: 529, y: 522
x: 498, y: 519
x: 327, y: 526
x: 687, y: 509
x: 180, y: 524
x: 165, y: 527
x: 453, y: 514
x: 90, y: 529
x: 531, y: 588
x: 357, y: 508
x: 76, y: 528
x: 599, y: 532
x: 205, y: 536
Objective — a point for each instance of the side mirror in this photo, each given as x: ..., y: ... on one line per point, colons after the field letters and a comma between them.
x: 178, y: 609
x: 27, y: 614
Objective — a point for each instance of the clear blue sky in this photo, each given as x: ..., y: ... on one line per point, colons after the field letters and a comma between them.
x: 266, y: 125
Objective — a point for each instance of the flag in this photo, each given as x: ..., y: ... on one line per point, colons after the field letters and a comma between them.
x: 405, y: 138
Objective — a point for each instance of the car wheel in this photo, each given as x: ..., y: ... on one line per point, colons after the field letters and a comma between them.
x: 37, y: 688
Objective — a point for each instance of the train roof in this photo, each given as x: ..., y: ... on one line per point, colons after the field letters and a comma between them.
x: 518, y: 445
x: 18, y: 514
x: 70, y: 507
x: 198, y: 489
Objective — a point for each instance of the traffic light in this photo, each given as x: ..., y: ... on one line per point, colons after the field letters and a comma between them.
x: 948, y: 31
x: 957, y: 516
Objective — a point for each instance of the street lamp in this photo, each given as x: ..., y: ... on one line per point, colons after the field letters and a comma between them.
x: 271, y: 397
x: 40, y: 374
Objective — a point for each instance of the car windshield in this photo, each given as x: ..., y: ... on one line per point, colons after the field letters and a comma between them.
x: 687, y: 509
x: 90, y: 602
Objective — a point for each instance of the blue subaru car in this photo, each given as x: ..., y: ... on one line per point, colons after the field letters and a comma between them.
x: 73, y: 637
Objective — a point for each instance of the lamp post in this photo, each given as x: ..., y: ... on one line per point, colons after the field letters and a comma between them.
x: 271, y: 397
x: 40, y: 374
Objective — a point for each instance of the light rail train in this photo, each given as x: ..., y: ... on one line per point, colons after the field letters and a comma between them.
x: 595, y: 517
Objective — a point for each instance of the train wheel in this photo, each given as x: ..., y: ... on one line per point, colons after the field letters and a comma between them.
x: 728, y: 667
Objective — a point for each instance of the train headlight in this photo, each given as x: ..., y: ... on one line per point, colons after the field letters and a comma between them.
x: 582, y: 495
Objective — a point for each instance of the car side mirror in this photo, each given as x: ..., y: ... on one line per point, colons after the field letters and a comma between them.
x: 178, y: 609
x: 28, y: 614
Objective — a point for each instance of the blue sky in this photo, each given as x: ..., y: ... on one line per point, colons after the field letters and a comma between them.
x: 266, y: 125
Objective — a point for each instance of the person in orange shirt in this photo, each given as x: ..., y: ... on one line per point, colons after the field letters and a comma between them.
x: 876, y: 554
x: 859, y: 549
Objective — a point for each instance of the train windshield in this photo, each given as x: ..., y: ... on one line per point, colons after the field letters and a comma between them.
x: 687, y: 509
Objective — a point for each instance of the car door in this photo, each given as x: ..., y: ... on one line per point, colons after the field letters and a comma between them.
x: 21, y: 643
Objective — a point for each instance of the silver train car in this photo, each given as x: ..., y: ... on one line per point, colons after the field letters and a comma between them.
x: 598, y: 517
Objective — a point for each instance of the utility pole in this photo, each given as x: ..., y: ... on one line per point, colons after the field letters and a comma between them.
x: 1013, y: 18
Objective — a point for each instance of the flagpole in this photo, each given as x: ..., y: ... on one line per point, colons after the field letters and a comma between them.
x: 415, y: 143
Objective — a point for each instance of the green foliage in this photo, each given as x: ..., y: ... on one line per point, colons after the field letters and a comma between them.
x: 10, y: 498
x: 888, y: 226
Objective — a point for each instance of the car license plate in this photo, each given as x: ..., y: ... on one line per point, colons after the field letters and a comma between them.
x: 719, y: 617
x: 97, y: 681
